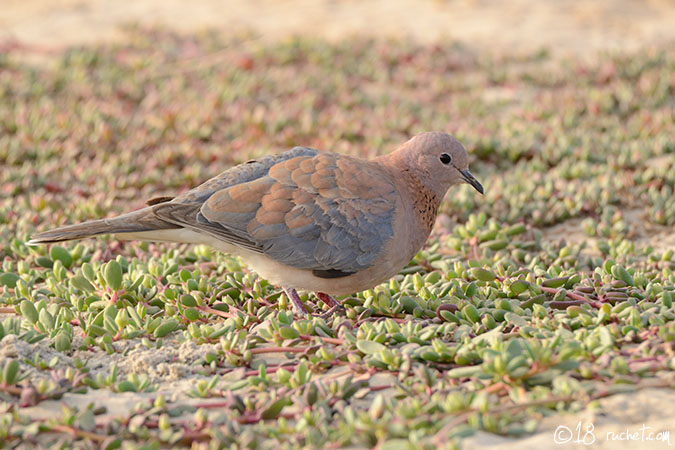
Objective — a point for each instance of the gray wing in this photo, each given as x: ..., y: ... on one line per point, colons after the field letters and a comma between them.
x: 307, y: 209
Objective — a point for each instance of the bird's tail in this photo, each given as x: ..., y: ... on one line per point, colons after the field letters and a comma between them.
x: 133, y: 222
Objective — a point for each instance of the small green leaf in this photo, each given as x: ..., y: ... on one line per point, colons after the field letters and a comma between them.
x: 555, y: 282
x: 288, y: 333
x: 126, y: 386
x: 464, y: 372
x: 515, y: 319
x: 408, y: 303
x: 482, y: 274
x: 45, y: 262
x: 518, y: 286
x: 191, y: 314
x: 112, y: 444
x: 495, y: 245
x: 166, y: 328
x: 88, y: 272
x: 430, y: 355
x: 113, y: 275
x: 448, y: 316
x: 606, y: 336
x: 471, y: 313
x: 28, y: 311
x: 188, y: 301
x: 369, y: 347
x: 81, y: 283
x: 9, y: 279
x: 184, y: 275
x: 622, y: 274
x: 516, y: 229
x: 46, y: 319
x: 61, y: 254
x: 62, y: 342
x: 274, y: 409
x: 10, y: 371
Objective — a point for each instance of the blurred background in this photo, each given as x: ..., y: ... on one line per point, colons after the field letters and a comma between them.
x: 560, y: 25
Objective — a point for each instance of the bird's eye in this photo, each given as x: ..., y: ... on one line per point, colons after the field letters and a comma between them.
x: 445, y: 158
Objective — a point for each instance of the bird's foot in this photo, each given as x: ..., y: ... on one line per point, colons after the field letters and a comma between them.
x: 334, y: 306
x: 301, y: 309
x: 298, y: 306
x: 337, y: 309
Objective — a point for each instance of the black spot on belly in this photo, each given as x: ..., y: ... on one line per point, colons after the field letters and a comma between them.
x: 331, y: 273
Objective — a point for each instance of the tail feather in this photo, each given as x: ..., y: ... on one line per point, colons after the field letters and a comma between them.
x: 137, y: 221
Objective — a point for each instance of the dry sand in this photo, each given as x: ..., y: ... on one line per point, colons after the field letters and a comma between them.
x: 563, y: 26
x: 172, y: 368
x: 602, y: 428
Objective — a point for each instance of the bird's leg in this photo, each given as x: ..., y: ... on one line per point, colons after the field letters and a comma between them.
x: 331, y: 302
x: 301, y: 309
x: 298, y: 306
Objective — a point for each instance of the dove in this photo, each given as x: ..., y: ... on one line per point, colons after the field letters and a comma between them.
x: 306, y: 219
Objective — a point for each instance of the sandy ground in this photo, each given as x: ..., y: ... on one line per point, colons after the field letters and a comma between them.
x: 647, y: 415
x: 563, y: 26
x: 642, y: 233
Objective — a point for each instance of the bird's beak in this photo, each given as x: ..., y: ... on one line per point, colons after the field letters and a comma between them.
x: 468, y: 178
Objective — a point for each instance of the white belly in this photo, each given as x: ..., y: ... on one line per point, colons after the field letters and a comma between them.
x: 280, y: 274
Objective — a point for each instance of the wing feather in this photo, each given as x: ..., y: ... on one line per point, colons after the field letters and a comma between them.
x: 318, y: 211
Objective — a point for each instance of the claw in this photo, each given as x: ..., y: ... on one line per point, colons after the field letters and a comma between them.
x: 301, y: 309
x: 334, y: 306
x: 328, y: 314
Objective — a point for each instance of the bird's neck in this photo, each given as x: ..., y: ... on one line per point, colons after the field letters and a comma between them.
x: 424, y: 201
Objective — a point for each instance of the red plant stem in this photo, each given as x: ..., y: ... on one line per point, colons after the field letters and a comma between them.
x: 256, y: 418
x: 644, y: 359
x: 380, y: 388
x: 79, y: 433
x: 216, y: 312
x: 473, y: 242
x: 225, y: 404
x: 290, y: 366
x: 565, y: 304
x: 573, y: 296
x: 259, y: 350
x: 11, y: 389
x: 192, y: 436
x: 327, y: 340
x: 495, y: 388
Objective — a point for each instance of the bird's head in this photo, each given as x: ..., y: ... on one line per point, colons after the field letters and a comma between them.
x: 438, y: 160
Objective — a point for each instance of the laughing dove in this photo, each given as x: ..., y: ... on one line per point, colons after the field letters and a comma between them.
x: 307, y: 219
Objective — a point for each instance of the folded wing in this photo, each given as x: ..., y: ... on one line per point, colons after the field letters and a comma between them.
x: 307, y: 209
